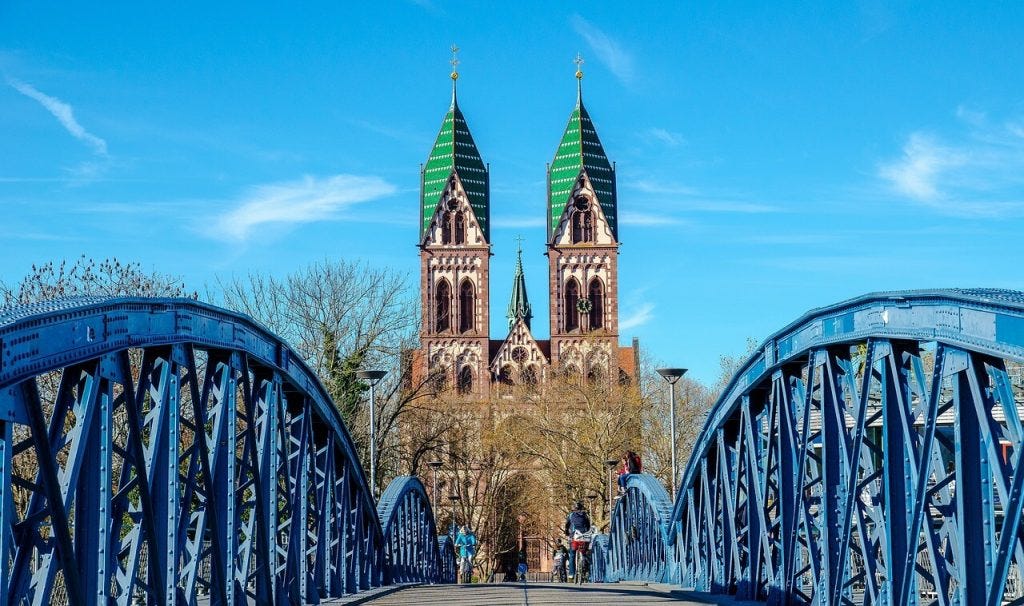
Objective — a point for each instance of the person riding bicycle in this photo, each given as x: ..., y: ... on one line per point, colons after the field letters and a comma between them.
x: 465, y: 542
x: 577, y: 521
x: 560, y: 557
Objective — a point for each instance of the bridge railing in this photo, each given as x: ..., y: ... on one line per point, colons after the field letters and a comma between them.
x: 168, y: 451
x: 868, y: 453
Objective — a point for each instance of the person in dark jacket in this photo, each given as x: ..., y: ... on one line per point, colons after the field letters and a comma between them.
x: 577, y: 521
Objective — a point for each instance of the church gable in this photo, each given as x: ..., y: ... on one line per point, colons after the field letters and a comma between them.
x: 454, y: 222
x: 575, y: 227
x: 518, y: 353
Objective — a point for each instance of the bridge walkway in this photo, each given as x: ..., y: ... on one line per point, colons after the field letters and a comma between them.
x: 544, y: 594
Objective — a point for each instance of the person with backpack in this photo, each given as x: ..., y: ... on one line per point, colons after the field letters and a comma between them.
x: 630, y: 464
x: 560, y: 557
x: 577, y: 521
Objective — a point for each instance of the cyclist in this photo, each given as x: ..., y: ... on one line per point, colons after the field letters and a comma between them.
x: 577, y: 521
x: 465, y: 542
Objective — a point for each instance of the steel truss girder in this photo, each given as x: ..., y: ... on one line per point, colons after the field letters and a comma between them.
x: 868, y: 453
x: 172, y: 452
x: 411, y: 547
x: 636, y: 547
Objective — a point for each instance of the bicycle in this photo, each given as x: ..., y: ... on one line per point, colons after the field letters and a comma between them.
x: 581, y: 545
x: 466, y: 570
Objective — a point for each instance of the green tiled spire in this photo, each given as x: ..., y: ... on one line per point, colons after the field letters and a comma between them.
x: 455, y: 152
x: 580, y: 151
x: 519, y: 305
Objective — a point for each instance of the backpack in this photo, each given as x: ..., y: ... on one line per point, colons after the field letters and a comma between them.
x: 578, y: 520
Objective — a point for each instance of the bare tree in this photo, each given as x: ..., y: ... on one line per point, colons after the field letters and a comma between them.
x: 86, y: 277
x: 341, y: 316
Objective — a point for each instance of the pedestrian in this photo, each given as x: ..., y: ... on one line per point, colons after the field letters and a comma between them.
x: 630, y: 464
x: 560, y: 556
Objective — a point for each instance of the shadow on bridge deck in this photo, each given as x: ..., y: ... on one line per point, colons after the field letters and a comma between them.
x: 543, y: 594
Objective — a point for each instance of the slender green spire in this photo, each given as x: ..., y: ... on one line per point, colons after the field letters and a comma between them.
x: 580, y: 151
x: 455, y: 152
x: 519, y: 305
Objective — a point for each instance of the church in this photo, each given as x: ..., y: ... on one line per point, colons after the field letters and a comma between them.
x: 457, y: 351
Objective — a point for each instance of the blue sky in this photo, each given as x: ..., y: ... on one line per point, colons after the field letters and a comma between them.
x: 772, y: 157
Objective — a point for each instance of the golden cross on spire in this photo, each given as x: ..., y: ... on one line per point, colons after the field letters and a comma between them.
x: 579, y: 66
x: 519, y: 240
x: 455, y: 62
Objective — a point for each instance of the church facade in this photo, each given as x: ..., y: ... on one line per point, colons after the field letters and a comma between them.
x: 457, y: 352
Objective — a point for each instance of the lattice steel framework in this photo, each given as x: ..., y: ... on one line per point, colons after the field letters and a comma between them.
x: 868, y: 453
x: 410, y: 535
x: 639, y: 532
x: 173, y: 452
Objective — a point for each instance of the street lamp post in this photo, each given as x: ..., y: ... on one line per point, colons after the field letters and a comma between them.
x: 611, y: 463
x: 591, y: 497
x: 434, y: 466
x: 372, y: 377
x: 672, y: 375
x: 454, y: 498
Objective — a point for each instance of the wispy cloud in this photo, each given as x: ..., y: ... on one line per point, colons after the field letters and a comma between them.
x: 64, y: 113
x: 653, y: 186
x: 295, y: 202
x: 608, y: 51
x: 636, y: 219
x: 638, y: 317
x: 660, y: 135
x: 978, y: 172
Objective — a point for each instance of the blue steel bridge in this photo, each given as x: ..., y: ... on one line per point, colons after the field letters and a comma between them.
x: 164, y: 451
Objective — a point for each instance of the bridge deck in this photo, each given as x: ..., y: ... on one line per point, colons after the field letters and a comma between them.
x: 542, y: 594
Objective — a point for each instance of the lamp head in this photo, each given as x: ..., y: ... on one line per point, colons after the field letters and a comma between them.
x: 435, y: 464
x: 371, y: 375
x: 671, y: 374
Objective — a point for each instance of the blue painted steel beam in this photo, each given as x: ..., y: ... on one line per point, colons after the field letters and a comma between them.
x: 868, y: 453
x: 198, y: 458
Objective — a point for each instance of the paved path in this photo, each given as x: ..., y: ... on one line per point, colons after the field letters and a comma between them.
x: 538, y: 594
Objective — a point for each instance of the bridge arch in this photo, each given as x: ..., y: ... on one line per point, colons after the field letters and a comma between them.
x: 869, y: 452
x: 411, y: 548
x: 171, y: 451
x: 638, y: 536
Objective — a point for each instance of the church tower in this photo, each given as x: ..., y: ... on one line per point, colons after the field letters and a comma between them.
x: 455, y: 253
x: 583, y: 250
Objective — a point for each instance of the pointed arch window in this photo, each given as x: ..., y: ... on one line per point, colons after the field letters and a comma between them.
x: 596, y: 296
x: 465, y: 383
x: 442, y: 306
x: 446, y: 228
x: 506, y: 378
x: 582, y: 221
x: 466, y: 300
x: 529, y: 375
x: 572, y: 299
x: 572, y: 374
x: 460, y: 228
